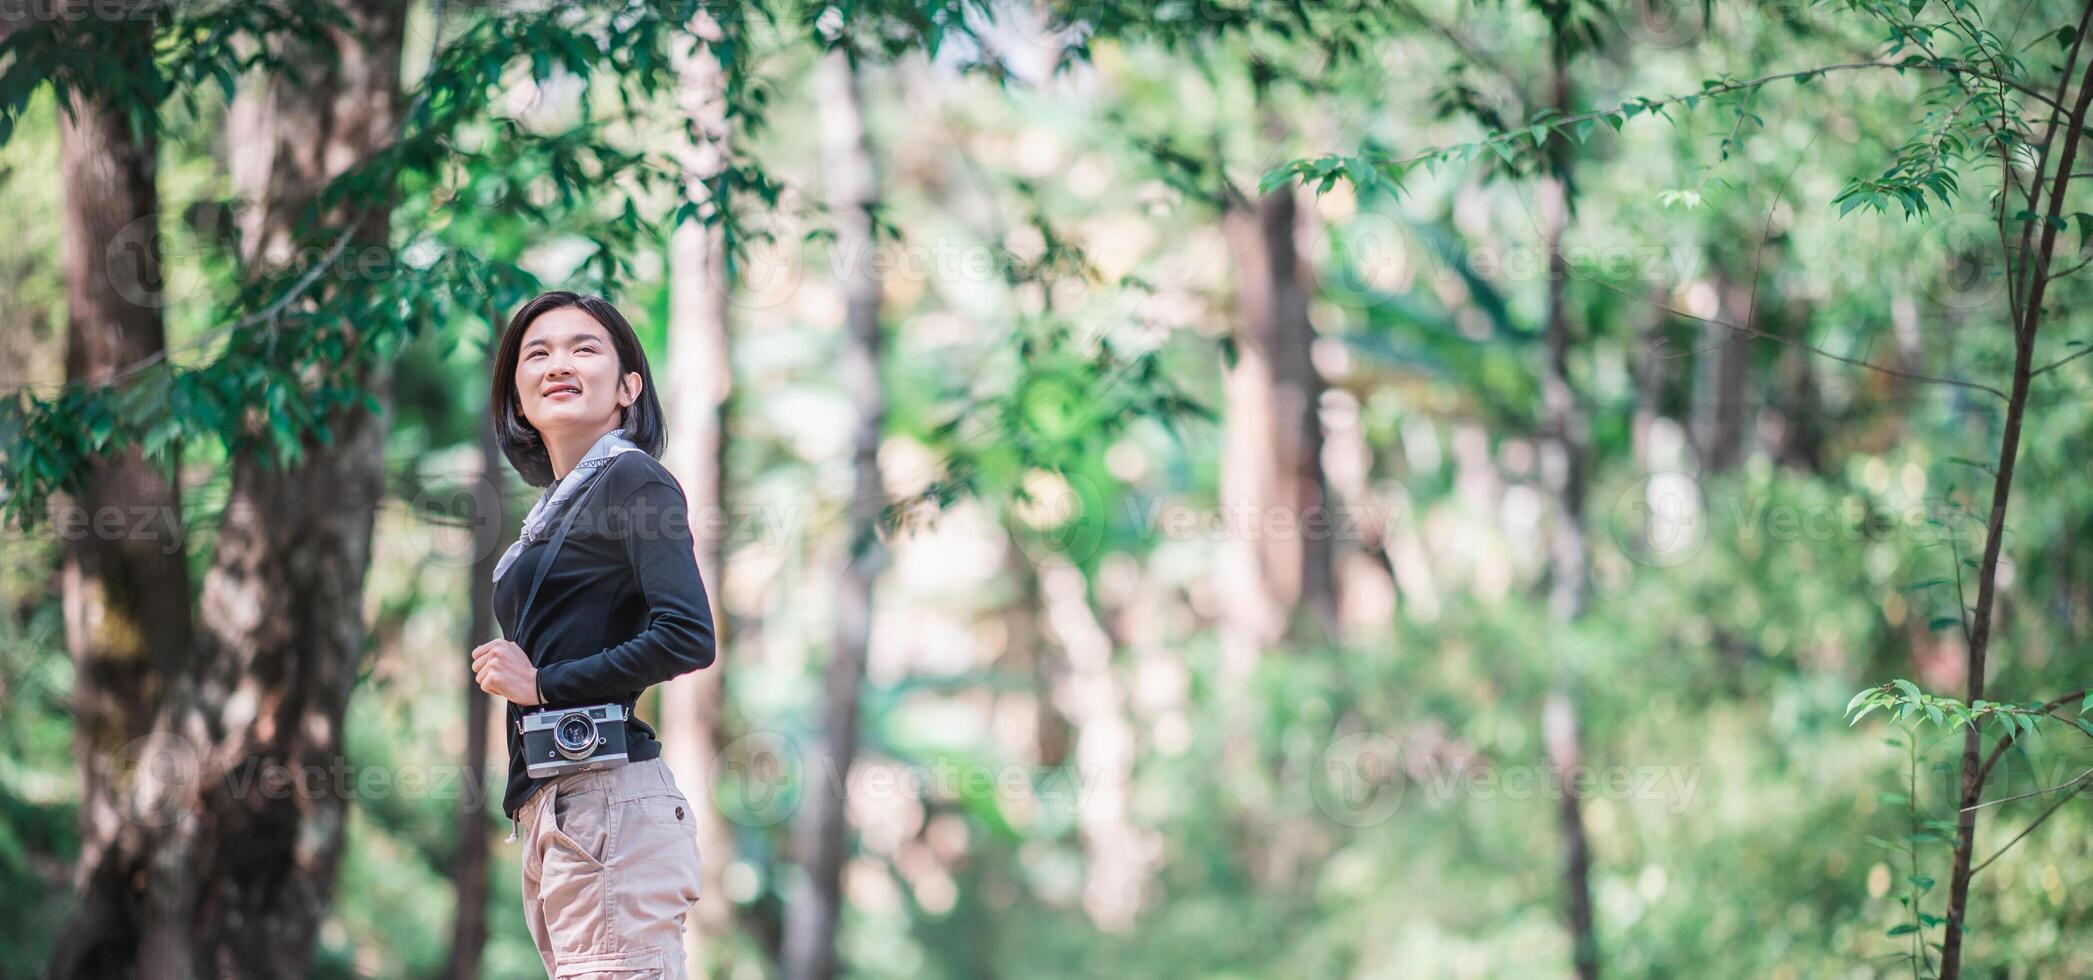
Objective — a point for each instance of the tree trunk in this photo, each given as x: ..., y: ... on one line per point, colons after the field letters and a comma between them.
x: 693, y: 706
x: 235, y: 876
x: 1117, y: 855
x: 1800, y: 444
x: 491, y: 533
x: 1723, y: 365
x: 1652, y: 372
x: 1274, y: 497
x: 822, y: 834
x: 1563, y: 470
x: 1052, y: 733
x: 2027, y: 325
x: 125, y: 578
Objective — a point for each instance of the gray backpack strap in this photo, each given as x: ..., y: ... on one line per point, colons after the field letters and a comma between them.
x: 559, y: 537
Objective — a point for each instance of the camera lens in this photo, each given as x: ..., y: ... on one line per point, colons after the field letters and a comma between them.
x: 575, y: 735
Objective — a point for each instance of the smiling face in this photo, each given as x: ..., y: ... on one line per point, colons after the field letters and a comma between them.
x: 567, y: 374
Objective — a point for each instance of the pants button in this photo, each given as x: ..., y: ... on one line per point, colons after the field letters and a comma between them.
x: 679, y: 813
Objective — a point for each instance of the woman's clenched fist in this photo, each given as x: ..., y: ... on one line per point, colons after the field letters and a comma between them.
x: 502, y: 669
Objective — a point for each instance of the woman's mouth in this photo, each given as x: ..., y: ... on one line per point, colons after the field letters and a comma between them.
x: 562, y: 391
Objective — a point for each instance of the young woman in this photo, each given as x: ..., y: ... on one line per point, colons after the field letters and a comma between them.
x: 610, y: 859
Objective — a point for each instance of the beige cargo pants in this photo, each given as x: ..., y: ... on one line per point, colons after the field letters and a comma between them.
x: 610, y: 868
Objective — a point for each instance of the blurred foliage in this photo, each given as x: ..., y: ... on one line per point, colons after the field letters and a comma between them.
x: 1057, y: 391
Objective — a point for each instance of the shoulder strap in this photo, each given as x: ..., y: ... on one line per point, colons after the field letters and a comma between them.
x: 552, y: 548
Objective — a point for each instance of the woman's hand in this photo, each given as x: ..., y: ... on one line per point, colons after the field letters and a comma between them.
x: 502, y: 669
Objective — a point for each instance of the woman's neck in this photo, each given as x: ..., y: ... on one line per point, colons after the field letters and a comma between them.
x: 565, y: 449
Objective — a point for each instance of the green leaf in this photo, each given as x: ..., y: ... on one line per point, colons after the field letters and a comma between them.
x: 1904, y: 930
x: 1965, y: 461
x: 1356, y: 171
x: 1910, y: 690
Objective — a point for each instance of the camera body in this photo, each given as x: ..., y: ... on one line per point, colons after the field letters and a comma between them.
x: 578, y: 739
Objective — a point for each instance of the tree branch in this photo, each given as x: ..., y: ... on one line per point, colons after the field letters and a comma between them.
x: 263, y: 315
x: 1999, y: 749
x: 2060, y: 362
x: 2066, y: 798
x: 1749, y: 332
x: 2067, y: 784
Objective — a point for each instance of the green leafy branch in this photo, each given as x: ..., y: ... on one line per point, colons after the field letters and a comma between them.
x: 1922, y: 829
x: 296, y: 349
x: 1902, y: 701
x: 1381, y: 172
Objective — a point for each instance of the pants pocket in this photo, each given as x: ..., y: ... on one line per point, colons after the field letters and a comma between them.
x: 656, y: 862
x: 582, y: 824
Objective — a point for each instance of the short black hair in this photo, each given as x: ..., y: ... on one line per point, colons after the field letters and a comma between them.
x: 519, y: 439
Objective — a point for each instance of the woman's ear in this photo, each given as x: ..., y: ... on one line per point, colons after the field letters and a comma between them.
x: 630, y: 380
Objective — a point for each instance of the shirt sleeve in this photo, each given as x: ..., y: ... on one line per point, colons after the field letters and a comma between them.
x: 678, y: 637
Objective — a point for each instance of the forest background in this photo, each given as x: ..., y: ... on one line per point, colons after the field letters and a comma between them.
x: 1362, y: 487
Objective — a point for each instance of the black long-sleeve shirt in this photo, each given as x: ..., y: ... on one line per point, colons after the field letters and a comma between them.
x: 621, y: 609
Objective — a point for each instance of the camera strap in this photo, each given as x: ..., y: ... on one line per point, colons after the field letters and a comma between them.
x: 552, y: 550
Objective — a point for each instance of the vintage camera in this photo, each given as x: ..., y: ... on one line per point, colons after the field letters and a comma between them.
x: 560, y: 740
